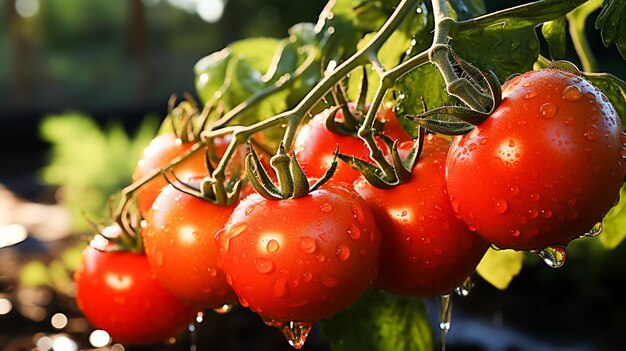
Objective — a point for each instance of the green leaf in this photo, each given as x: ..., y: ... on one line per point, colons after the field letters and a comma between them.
x: 466, y: 9
x: 614, y: 88
x: 499, y: 267
x: 554, y: 32
x: 380, y: 321
x: 505, y: 42
x: 612, y: 24
x: 614, y: 223
x: 426, y: 82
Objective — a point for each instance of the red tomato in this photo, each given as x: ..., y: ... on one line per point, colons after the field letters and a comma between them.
x: 117, y: 292
x: 159, y: 153
x: 544, y: 167
x: 426, y: 250
x: 301, y: 259
x: 179, y: 242
x: 315, y: 146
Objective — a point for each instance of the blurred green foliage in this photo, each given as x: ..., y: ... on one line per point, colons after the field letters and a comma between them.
x: 90, y: 162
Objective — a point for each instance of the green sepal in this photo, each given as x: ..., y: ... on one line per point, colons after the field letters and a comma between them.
x: 567, y: 66
x: 443, y: 127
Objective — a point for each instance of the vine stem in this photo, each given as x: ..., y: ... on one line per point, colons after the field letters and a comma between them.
x: 294, y: 116
x: 388, y: 79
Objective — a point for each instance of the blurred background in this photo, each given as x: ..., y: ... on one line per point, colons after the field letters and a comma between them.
x: 83, y: 87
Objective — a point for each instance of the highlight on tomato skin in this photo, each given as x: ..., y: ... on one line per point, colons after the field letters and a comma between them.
x: 117, y: 292
x: 426, y: 250
x: 544, y: 168
x: 301, y: 259
x: 179, y: 242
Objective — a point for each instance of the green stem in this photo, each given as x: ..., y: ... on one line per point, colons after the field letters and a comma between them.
x: 241, y: 134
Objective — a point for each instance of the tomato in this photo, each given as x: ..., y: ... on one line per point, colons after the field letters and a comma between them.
x: 179, y: 242
x: 426, y: 250
x: 159, y: 153
x: 315, y: 145
x: 117, y: 292
x: 543, y: 168
x: 300, y: 259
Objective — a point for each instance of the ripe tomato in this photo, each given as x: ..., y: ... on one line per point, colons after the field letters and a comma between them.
x: 179, y: 243
x: 315, y: 145
x: 117, y: 292
x: 300, y: 259
x: 426, y: 250
x: 544, y: 167
x: 159, y: 153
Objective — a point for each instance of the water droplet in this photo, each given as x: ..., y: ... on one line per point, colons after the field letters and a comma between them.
x: 295, y: 332
x: 514, y: 190
x: 594, y: 231
x: 358, y: 214
x: 272, y: 246
x: 233, y: 232
x: 529, y: 95
x: 591, y: 133
x: 515, y: 232
x: 212, y: 272
x: 572, y: 93
x: 326, y: 208
x: 535, y: 197
x: 279, y: 288
x: 533, y: 213
x: 225, y: 308
x: 354, y: 232
x: 307, y: 244
x: 547, y: 110
x: 465, y: 288
x: 500, y: 205
x: 264, y: 265
x: 343, y: 252
x: 546, y: 213
x: 445, y: 317
x: 307, y: 276
x: 553, y: 256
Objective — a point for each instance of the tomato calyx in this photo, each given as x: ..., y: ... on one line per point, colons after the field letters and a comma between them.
x: 481, y: 91
x: 186, y: 120
x: 292, y: 181
x: 401, y: 168
x: 116, y: 238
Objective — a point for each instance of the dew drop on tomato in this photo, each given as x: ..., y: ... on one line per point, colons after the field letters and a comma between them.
x: 264, y: 265
x: 272, y: 246
x: 500, y: 205
x: 515, y: 232
x: 529, y: 95
x: 295, y: 332
x: 553, y: 256
x: 548, y: 110
x: 572, y: 93
x: 594, y: 231
x: 343, y: 252
x: 307, y: 244
x: 354, y: 232
x: 359, y: 216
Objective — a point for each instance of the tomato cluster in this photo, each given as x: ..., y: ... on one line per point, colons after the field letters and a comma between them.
x: 524, y: 179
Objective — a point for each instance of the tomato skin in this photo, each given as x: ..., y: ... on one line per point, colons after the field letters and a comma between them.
x: 426, y: 250
x: 543, y: 168
x: 163, y: 149
x: 181, y: 250
x: 117, y: 292
x: 303, y: 259
x: 315, y: 145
